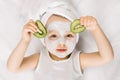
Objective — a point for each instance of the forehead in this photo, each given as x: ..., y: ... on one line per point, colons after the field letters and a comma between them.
x: 58, y: 25
x: 56, y: 18
x: 56, y: 32
x: 59, y: 28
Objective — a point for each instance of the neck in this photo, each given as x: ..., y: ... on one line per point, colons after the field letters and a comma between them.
x: 57, y: 58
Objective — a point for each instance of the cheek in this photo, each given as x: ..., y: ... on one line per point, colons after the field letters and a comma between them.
x: 50, y: 43
x: 71, y: 43
x: 72, y: 40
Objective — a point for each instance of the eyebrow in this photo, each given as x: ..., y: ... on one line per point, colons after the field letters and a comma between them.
x: 51, y: 31
x: 70, y: 32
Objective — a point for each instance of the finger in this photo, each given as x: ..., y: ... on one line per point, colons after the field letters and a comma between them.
x: 81, y: 21
x: 85, y: 21
x: 31, y: 20
x: 31, y: 28
x: 32, y: 24
x: 88, y: 21
x: 29, y: 31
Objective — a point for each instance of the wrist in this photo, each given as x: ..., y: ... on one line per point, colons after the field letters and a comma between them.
x: 25, y: 41
x: 96, y: 29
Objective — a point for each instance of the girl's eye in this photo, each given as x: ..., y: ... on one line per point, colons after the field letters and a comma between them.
x: 53, y: 36
x: 69, y: 36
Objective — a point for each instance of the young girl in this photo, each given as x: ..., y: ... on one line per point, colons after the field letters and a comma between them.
x: 59, y: 60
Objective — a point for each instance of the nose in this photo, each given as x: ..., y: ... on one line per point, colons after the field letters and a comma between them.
x: 62, y: 42
x: 62, y: 45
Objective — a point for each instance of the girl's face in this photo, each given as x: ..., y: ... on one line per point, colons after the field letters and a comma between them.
x: 60, y: 41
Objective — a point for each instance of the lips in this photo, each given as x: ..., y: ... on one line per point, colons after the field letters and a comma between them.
x: 61, y: 50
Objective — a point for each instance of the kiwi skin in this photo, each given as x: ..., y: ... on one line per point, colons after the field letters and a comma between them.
x: 42, y: 32
x: 76, y: 27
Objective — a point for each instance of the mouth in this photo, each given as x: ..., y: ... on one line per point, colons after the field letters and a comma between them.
x: 61, y: 50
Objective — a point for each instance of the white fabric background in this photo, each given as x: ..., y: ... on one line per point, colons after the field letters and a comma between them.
x: 15, y: 13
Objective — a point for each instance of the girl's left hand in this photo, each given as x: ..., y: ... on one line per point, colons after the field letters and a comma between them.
x: 89, y: 22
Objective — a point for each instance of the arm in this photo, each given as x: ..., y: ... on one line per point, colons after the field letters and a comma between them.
x: 105, y: 51
x: 16, y: 61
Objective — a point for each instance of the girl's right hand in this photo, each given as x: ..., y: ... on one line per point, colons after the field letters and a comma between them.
x: 28, y: 30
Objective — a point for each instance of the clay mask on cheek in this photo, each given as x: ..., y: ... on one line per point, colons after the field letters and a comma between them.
x: 61, y: 28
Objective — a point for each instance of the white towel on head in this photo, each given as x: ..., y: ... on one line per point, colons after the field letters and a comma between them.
x: 59, y: 7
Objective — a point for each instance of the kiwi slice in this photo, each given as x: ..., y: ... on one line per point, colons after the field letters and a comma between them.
x: 41, y: 32
x: 76, y: 27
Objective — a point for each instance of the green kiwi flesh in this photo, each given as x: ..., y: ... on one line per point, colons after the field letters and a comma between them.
x: 76, y: 27
x: 42, y: 32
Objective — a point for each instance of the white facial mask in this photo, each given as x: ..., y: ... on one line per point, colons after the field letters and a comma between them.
x: 51, y: 45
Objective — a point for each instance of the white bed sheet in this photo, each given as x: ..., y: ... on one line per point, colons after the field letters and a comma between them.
x: 14, y: 14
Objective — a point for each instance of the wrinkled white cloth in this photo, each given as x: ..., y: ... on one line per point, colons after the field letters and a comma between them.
x: 17, y: 13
